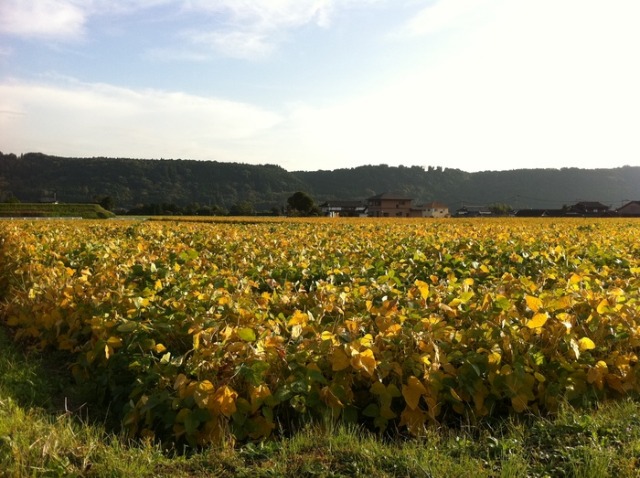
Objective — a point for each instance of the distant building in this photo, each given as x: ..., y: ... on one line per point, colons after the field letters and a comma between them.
x: 435, y: 209
x: 539, y: 213
x: 389, y: 205
x: 343, y: 209
x: 473, y: 211
x: 383, y: 205
x: 588, y: 208
x: 631, y: 209
x: 581, y: 209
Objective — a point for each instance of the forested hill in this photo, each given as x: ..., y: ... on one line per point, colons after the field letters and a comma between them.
x: 130, y: 182
x: 520, y: 188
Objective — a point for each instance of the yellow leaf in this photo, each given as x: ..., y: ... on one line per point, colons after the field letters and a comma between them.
x: 180, y: 381
x: 519, y: 402
x: 258, y: 395
x: 414, y: 420
x: 330, y: 398
x: 366, y: 340
x: 364, y: 361
x: 228, y: 332
x: 196, y: 341
x: 392, y: 330
x: 614, y: 382
x: 538, y: 320
x: 423, y: 287
x: 114, y: 342
x: 299, y: 318
x: 160, y: 348
x: 597, y: 374
x: 603, y: 306
x: 563, y: 302
x: 539, y: 377
x: 455, y: 395
x: 533, y: 303
x: 412, y: 392
x: 326, y: 335
x: 386, y: 412
x: 494, y: 358
x: 202, y: 393
x: 585, y: 343
x: 339, y: 360
x: 224, y: 401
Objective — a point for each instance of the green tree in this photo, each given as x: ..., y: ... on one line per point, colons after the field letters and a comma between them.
x: 10, y: 198
x: 500, y: 209
x: 107, y: 203
x: 301, y: 203
x: 242, y: 208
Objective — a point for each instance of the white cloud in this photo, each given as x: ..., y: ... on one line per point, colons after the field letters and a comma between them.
x: 236, y: 44
x: 253, y: 29
x: 42, y: 18
x: 62, y: 19
x: 121, y: 7
x: 239, y: 28
x: 268, y: 15
x: 97, y: 119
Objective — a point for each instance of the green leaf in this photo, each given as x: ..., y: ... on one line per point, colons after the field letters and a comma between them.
x: 502, y: 302
x: 127, y: 327
x: 316, y: 376
x: 372, y: 410
x: 247, y: 334
x: 191, y: 423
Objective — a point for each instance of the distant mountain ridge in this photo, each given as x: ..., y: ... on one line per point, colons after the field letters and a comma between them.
x: 131, y: 182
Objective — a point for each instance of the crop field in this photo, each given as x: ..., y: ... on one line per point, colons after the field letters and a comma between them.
x: 201, y: 333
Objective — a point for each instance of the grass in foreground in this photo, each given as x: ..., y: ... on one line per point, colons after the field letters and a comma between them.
x: 41, y: 436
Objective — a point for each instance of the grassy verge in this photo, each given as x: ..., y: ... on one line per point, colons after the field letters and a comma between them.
x: 42, y: 434
x: 32, y: 210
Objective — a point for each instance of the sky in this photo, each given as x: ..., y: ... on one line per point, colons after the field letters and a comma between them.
x: 325, y: 84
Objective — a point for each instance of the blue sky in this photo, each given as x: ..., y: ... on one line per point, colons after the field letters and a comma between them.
x: 325, y: 84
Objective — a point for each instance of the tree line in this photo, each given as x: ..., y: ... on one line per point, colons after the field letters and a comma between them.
x: 213, y: 187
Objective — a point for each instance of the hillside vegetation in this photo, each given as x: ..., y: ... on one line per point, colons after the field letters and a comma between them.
x: 131, y: 182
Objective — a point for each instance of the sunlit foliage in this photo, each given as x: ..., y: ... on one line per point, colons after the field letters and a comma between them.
x: 199, y: 332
